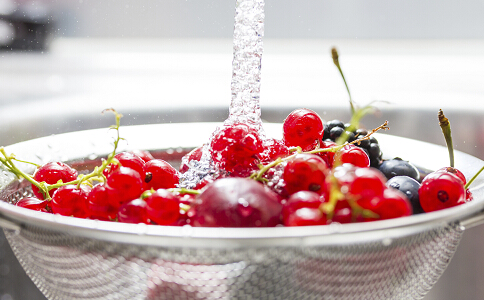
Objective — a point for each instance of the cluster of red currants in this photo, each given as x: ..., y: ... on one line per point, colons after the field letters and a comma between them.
x: 319, y: 182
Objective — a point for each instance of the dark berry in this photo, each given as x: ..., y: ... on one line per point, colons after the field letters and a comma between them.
x: 398, y: 167
x: 409, y: 187
x: 335, y: 133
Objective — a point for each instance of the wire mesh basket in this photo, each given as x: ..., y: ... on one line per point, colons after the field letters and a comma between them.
x: 70, y: 258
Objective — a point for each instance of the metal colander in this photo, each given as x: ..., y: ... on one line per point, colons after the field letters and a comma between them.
x: 70, y: 258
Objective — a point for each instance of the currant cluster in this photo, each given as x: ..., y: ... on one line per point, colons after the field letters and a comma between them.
x: 304, y: 179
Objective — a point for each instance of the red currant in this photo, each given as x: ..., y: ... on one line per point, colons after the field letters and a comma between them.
x: 33, y: 204
x: 51, y: 173
x: 353, y: 155
x: 195, y: 154
x: 128, y: 160
x: 306, y: 217
x: 328, y: 157
x: 69, y: 200
x: 127, y: 182
x: 133, y: 211
x: 103, y: 202
x: 160, y: 175
x: 441, y: 190
x: 143, y: 154
x: 273, y: 149
x: 303, y: 128
x: 393, y: 204
x: 306, y: 172
x: 234, y: 148
x: 163, y: 207
x: 301, y: 199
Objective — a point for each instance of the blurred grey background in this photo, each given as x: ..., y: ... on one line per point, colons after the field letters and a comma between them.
x: 63, y: 61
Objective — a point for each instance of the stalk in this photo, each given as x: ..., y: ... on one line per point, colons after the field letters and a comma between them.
x: 445, y: 126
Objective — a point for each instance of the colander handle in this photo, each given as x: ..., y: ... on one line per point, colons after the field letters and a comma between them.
x: 474, y: 220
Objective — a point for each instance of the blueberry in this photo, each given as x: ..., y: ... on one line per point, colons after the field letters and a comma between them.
x: 336, y: 132
x: 397, y: 166
x: 409, y: 187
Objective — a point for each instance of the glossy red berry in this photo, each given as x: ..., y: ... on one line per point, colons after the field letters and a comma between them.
x: 145, y: 155
x: 301, y: 199
x: 306, y: 217
x: 163, y: 207
x: 353, y: 155
x: 128, y: 160
x: 328, y: 157
x: 441, y: 190
x: 454, y: 171
x: 393, y: 204
x: 273, y: 149
x: 51, y: 173
x: 33, y: 204
x: 159, y: 174
x: 127, y: 182
x: 236, y: 202
x: 306, y: 172
x: 69, y: 200
x: 133, y: 211
x: 235, y: 148
x: 195, y: 154
x: 303, y: 128
x: 103, y: 202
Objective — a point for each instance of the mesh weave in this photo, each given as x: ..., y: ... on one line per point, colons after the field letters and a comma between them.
x: 64, y: 266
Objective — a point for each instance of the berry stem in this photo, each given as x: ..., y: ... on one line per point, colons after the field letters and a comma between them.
x: 45, y: 187
x: 473, y: 178
x: 445, y: 125
x: 334, y: 54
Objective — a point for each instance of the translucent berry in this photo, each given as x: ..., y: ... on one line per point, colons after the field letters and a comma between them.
x: 103, y: 202
x: 273, y: 149
x: 133, y: 211
x: 353, y: 155
x: 51, y: 173
x: 145, y: 155
x: 303, y: 128
x: 235, y: 147
x: 127, y: 182
x: 306, y: 217
x: 163, y: 207
x: 128, y: 160
x: 33, y: 204
x: 69, y: 200
x: 159, y: 174
x: 306, y: 172
x: 195, y: 154
x: 299, y: 200
x: 441, y: 190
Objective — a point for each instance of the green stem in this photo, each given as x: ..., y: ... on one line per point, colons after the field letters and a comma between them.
x: 445, y: 126
x: 334, y: 54
x: 473, y: 178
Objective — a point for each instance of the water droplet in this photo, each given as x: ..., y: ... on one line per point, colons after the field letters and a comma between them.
x: 387, y: 242
x: 244, y: 208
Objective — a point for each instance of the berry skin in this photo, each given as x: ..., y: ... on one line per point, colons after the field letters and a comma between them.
x: 306, y: 172
x: 160, y: 175
x: 134, y: 212
x: 195, y: 154
x: 273, y: 149
x: 393, y: 204
x: 328, y: 157
x: 398, y: 167
x: 353, y: 155
x: 234, y: 148
x: 303, y: 128
x: 33, y: 204
x: 51, y: 173
x: 301, y: 199
x: 163, y: 207
x: 306, y: 217
x: 128, y: 160
x: 103, y: 202
x: 143, y: 154
x: 127, y: 182
x: 236, y: 202
x: 455, y: 172
x: 441, y: 190
x: 69, y: 200
x: 409, y: 187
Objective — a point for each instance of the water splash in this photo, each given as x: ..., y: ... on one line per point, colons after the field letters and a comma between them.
x: 245, y: 85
